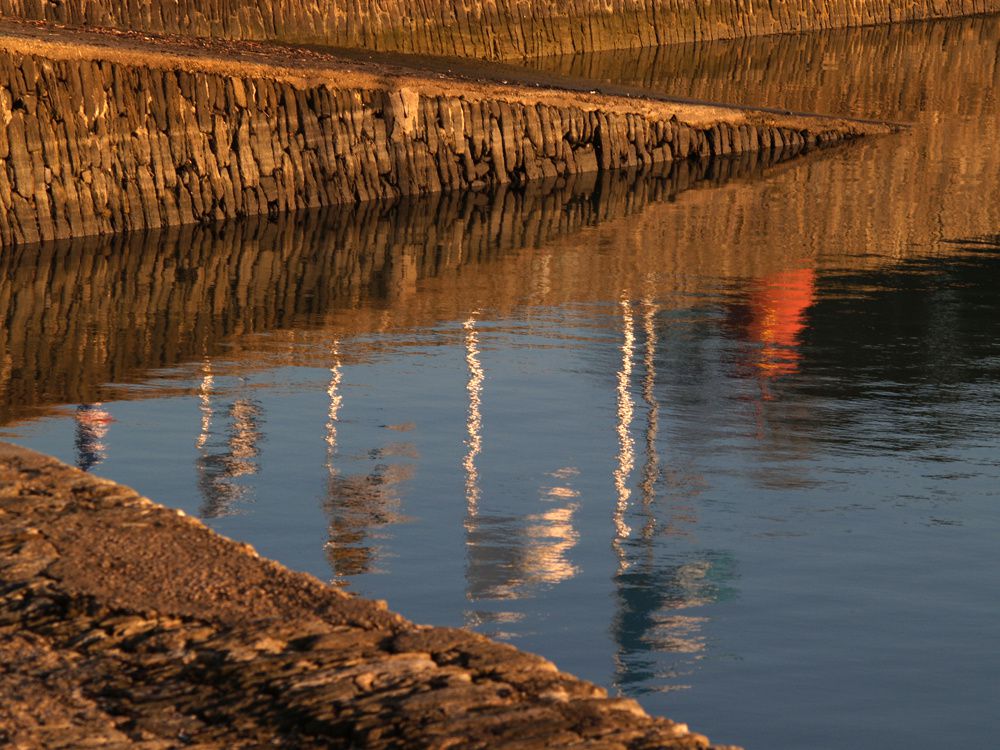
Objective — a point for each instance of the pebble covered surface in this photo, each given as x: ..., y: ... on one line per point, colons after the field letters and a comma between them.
x: 125, y: 624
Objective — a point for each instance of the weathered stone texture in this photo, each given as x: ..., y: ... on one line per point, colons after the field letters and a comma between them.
x: 123, y: 624
x: 495, y: 29
x: 94, y: 146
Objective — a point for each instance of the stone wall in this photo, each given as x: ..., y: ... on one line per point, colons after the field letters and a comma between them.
x: 94, y: 144
x: 494, y: 29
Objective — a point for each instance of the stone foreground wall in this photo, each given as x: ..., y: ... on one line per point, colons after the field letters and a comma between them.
x: 96, y: 146
x: 125, y: 625
x: 492, y: 29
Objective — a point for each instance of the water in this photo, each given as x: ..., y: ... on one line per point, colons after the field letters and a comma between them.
x: 724, y: 440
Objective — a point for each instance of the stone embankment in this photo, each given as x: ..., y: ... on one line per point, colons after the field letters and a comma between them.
x: 125, y: 624
x: 105, y: 133
x: 493, y: 29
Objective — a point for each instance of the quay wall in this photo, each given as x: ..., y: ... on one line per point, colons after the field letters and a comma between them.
x: 94, y: 142
x: 493, y: 29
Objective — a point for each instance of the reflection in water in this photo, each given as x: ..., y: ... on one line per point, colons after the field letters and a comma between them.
x: 474, y: 423
x: 513, y: 558
x: 228, y: 460
x: 205, y: 404
x: 651, y: 467
x: 626, y: 444
x: 654, y: 594
x: 776, y: 319
x: 92, y: 423
x: 943, y: 67
x: 899, y: 195
x: 509, y: 557
x: 921, y: 340
x: 107, y: 310
x: 333, y: 412
x: 360, y: 507
x: 658, y: 589
x: 771, y: 318
x: 552, y: 535
x: 332, y: 417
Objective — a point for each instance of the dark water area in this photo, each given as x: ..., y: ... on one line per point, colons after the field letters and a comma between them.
x: 723, y: 439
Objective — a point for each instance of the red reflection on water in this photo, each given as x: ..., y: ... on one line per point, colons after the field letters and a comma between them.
x: 777, y: 308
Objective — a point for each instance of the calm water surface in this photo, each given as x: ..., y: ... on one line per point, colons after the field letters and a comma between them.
x: 725, y: 440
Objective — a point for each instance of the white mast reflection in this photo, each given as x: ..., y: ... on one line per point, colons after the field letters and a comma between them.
x: 651, y: 469
x: 510, y: 556
x: 205, y: 404
x: 332, y: 414
x: 330, y: 438
x: 222, y: 460
x: 626, y: 444
x: 474, y: 421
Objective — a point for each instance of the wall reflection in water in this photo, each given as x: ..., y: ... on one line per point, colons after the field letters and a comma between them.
x: 88, y: 314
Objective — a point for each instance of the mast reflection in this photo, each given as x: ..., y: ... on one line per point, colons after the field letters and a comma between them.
x: 510, y: 556
x: 657, y: 625
x: 659, y: 586
x: 358, y: 505
x: 333, y: 411
x: 625, y: 410
x: 651, y: 467
x: 205, y: 404
x: 226, y: 460
x: 474, y: 421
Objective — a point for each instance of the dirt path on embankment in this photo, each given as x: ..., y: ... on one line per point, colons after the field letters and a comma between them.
x: 125, y: 624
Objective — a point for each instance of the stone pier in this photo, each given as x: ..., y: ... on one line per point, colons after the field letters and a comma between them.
x: 124, y: 624
x: 111, y: 132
